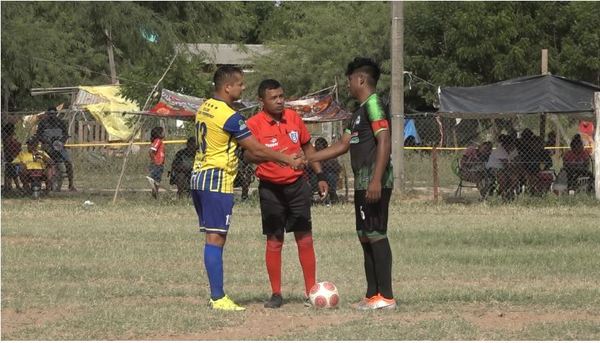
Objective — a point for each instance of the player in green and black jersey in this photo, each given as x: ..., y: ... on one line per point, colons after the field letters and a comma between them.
x: 367, y: 136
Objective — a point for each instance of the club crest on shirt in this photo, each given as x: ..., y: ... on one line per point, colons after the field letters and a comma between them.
x: 294, y: 136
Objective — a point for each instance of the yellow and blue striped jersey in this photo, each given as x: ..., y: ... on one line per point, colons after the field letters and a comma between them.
x: 218, y: 128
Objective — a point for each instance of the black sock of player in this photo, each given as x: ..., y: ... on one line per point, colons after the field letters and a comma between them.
x: 369, y: 270
x: 382, y: 255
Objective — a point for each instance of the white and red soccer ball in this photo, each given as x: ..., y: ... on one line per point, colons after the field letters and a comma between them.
x: 324, y: 295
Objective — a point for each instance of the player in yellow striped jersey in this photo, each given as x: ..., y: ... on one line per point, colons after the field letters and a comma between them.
x: 219, y: 130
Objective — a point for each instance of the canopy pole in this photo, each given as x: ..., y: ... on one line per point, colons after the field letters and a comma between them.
x: 135, y: 131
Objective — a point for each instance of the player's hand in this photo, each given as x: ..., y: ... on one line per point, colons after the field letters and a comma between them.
x: 323, y: 189
x: 373, y: 191
x: 298, y: 161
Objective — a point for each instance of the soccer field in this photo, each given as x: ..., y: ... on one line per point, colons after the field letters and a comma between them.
x: 521, y: 271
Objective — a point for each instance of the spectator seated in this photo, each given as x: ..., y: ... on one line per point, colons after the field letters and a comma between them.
x: 33, y: 164
x: 471, y: 167
x: 576, y: 169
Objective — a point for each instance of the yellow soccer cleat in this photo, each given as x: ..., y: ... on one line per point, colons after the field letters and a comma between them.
x: 225, y: 304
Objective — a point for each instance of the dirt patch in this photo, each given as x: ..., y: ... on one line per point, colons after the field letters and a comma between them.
x: 265, y: 324
x: 486, y: 318
x: 517, y: 320
x: 13, y: 320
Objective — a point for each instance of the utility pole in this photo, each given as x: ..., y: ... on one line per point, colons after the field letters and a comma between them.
x: 544, y: 72
x: 597, y: 145
x: 111, y: 57
x: 397, y: 94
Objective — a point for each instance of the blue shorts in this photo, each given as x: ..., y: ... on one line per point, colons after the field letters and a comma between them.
x: 156, y: 172
x: 214, y: 210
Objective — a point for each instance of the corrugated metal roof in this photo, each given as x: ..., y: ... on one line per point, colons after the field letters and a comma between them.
x: 84, y: 98
x: 235, y: 54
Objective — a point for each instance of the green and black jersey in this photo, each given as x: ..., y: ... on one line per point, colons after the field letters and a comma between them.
x: 363, y: 145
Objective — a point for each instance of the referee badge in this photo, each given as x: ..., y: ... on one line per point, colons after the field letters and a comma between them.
x: 294, y: 136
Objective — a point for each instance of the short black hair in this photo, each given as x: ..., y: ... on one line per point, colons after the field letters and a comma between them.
x: 267, y: 84
x: 224, y: 74
x: 367, y: 66
x: 321, y: 143
x: 155, y: 132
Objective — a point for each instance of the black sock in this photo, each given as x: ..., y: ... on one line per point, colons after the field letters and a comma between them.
x: 369, y: 270
x: 382, y: 256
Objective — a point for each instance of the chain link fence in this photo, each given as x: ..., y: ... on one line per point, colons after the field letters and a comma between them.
x: 477, y: 158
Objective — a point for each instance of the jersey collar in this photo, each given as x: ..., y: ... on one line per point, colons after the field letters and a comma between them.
x: 369, y: 97
x: 272, y: 121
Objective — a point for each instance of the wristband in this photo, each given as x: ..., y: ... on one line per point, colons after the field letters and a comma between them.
x: 321, y: 177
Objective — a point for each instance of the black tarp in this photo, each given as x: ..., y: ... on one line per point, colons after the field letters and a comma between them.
x: 525, y: 95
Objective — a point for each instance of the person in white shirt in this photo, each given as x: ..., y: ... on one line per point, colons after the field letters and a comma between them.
x: 500, y: 168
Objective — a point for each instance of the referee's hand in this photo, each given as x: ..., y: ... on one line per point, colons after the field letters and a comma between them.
x: 298, y: 161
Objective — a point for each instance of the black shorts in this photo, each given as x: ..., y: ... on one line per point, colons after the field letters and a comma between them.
x: 372, y: 219
x: 285, y: 208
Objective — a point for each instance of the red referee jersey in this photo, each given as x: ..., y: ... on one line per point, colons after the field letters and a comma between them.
x: 287, y: 135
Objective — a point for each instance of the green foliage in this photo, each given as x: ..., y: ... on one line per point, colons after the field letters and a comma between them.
x: 317, y: 41
x: 48, y: 44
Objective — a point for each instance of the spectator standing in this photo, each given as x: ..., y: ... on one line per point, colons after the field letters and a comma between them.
x: 181, y: 168
x: 157, y: 159
x: 285, y: 194
x: 10, y: 149
x: 331, y: 168
x: 53, y: 132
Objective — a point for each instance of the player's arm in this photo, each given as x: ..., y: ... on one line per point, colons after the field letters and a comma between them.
x: 256, y: 152
x: 236, y: 126
x: 380, y: 127
x: 336, y: 149
x: 309, y: 150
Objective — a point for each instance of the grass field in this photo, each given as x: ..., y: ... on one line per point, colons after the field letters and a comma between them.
x: 524, y: 271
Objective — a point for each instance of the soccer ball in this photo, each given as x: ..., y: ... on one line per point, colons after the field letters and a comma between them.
x: 324, y: 295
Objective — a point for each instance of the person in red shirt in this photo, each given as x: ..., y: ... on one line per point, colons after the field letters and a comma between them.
x: 285, y: 194
x: 157, y: 159
x: 577, y: 164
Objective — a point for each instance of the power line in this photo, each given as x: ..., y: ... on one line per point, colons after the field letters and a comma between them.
x: 86, y: 69
x: 411, y: 75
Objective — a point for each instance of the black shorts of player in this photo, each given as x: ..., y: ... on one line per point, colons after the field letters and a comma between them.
x: 371, y: 219
x: 285, y: 208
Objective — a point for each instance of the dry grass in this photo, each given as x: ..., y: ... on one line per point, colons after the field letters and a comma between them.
x: 134, y: 271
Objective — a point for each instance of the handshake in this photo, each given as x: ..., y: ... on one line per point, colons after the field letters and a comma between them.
x: 298, y: 161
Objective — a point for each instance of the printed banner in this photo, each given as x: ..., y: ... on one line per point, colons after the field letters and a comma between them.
x: 319, y: 108
x: 176, y: 105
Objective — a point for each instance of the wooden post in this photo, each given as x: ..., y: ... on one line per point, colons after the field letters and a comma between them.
x: 597, y: 145
x: 544, y: 61
x: 111, y: 57
x: 436, y: 177
x: 397, y: 94
x: 544, y: 72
